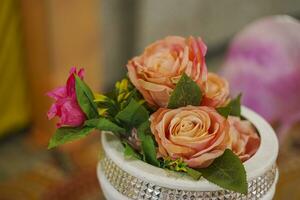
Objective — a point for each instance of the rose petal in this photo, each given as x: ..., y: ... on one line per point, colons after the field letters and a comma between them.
x: 71, y: 114
x: 57, y: 93
x: 52, y: 111
x: 203, y: 160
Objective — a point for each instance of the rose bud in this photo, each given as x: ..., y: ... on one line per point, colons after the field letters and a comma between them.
x: 217, y: 91
x: 244, y: 138
x: 66, y: 106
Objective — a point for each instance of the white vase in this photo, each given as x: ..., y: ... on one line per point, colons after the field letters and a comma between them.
x: 121, y: 178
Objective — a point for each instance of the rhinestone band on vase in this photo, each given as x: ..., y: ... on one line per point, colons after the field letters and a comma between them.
x: 135, y: 188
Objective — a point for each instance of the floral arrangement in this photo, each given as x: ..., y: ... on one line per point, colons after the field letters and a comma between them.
x: 170, y: 112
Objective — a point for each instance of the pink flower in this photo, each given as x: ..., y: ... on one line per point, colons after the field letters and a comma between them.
x: 244, y: 138
x: 263, y: 62
x: 66, y: 106
x: 198, y: 135
x: 156, y: 72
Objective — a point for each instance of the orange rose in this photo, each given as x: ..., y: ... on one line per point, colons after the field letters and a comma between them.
x: 244, y: 138
x: 156, y: 72
x: 196, y: 134
x: 217, y: 91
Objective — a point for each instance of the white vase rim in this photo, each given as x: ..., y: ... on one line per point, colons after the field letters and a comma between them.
x: 257, y: 165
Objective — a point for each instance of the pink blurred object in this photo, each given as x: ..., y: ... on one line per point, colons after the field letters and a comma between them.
x: 263, y: 62
x: 66, y: 106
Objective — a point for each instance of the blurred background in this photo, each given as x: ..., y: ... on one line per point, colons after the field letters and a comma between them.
x: 41, y: 39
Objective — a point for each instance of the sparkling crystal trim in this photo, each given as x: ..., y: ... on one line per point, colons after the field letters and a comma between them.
x: 135, y: 188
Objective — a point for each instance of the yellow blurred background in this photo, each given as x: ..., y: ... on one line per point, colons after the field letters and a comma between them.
x: 41, y: 39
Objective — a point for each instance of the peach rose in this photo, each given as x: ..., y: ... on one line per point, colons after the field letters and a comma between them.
x: 156, y: 72
x: 217, y: 91
x: 196, y: 134
x: 244, y: 138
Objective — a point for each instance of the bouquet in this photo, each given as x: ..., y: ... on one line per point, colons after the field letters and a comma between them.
x: 169, y: 112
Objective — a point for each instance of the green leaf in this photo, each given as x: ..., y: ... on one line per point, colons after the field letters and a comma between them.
x: 68, y: 134
x: 104, y: 124
x: 236, y: 106
x: 228, y: 172
x: 133, y: 114
x: 186, y: 92
x: 233, y: 108
x: 129, y: 152
x: 193, y: 173
x: 147, y: 143
x: 85, y: 98
x: 224, y: 111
